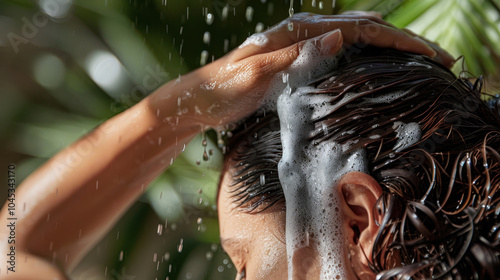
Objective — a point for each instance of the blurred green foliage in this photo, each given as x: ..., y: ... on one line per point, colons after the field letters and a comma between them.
x: 66, y: 66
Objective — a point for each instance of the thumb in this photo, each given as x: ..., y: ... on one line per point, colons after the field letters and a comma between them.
x: 325, y: 45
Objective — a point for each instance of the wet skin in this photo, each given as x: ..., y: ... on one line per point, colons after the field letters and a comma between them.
x: 256, y: 242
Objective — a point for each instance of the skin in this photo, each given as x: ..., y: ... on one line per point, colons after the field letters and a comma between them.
x: 256, y: 242
x: 74, y: 199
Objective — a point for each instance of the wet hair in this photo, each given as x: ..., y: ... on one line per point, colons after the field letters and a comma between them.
x: 439, y: 213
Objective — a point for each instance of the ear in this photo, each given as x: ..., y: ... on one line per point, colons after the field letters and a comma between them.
x: 359, y: 193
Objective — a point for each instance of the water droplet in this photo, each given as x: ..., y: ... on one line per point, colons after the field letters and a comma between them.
x: 204, y: 142
x: 206, y: 38
x: 225, y: 12
x: 209, y: 19
x: 262, y: 179
x: 160, y: 229
x: 120, y: 257
x: 259, y: 27
x: 220, y: 268
x: 205, y: 156
x: 249, y: 14
x: 180, y: 246
x: 209, y: 256
x: 199, y: 221
x: 204, y: 57
x: 214, y: 247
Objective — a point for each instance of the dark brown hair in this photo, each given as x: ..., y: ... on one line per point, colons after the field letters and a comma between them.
x: 439, y: 213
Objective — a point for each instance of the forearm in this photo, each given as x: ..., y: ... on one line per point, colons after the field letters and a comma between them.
x: 68, y: 204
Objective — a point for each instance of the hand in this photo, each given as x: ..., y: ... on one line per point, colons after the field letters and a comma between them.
x: 235, y: 85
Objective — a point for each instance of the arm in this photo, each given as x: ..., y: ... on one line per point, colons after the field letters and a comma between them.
x: 68, y: 204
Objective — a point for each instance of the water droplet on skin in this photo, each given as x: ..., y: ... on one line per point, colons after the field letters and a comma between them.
x: 290, y: 26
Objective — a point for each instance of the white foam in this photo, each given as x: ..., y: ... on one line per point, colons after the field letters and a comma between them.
x: 418, y: 64
x: 309, y: 174
x: 407, y: 134
x: 310, y: 66
x: 258, y: 39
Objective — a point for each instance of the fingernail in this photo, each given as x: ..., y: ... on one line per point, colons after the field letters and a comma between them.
x: 432, y: 52
x: 331, y: 41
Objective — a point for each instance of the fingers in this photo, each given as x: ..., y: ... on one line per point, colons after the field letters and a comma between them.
x: 442, y: 56
x: 325, y: 45
x: 369, y: 30
x: 383, y: 36
x: 365, y: 28
x: 363, y: 13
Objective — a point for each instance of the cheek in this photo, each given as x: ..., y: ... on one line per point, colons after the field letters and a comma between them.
x: 269, y: 259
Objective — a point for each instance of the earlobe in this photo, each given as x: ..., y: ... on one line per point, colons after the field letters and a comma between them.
x: 359, y: 193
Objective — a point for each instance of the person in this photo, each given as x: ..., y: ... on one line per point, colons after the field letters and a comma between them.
x: 427, y: 205
x: 69, y: 203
